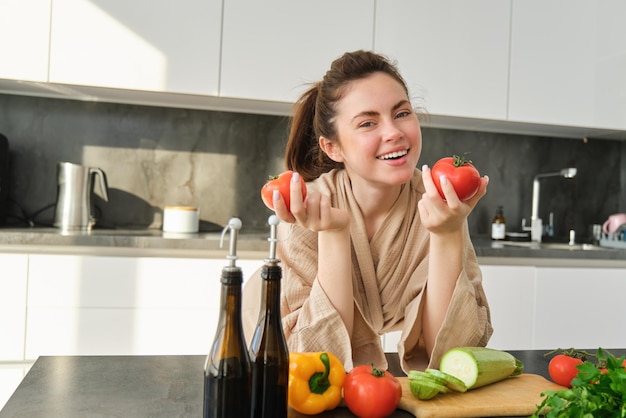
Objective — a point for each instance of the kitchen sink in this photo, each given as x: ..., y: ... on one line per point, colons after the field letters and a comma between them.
x: 552, y: 246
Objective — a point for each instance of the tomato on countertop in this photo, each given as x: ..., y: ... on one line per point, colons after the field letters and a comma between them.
x: 562, y: 369
x: 370, y: 392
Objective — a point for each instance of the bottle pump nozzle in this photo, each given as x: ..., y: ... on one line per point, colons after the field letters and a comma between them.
x: 273, y: 221
x: 234, y: 225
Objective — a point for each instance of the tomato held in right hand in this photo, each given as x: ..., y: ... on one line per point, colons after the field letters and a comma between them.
x: 281, y: 183
x: 562, y: 369
x: 460, y: 172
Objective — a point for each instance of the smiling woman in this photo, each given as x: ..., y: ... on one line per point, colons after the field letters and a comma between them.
x: 372, y: 229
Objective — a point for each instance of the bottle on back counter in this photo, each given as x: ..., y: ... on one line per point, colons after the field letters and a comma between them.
x: 269, y: 354
x: 498, y: 225
x: 227, y: 372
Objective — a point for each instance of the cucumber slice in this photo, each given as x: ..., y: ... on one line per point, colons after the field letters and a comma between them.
x: 452, y: 382
x: 425, y: 389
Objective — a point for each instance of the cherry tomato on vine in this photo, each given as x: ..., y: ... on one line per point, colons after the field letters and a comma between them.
x: 562, y: 369
x: 603, y: 369
x: 370, y: 392
x: 460, y: 172
x: 280, y: 183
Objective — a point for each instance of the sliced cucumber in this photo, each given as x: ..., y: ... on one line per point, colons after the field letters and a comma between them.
x: 480, y: 366
x: 452, y: 382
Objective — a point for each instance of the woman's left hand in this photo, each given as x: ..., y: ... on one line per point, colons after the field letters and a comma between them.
x: 449, y: 215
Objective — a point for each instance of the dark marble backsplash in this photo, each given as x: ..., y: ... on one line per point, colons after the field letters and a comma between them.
x: 218, y: 161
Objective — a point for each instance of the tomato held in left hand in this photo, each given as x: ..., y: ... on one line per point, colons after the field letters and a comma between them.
x: 370, y: 392
x: 460, y: 172
x: 280, y: 183
x: 562, y: 369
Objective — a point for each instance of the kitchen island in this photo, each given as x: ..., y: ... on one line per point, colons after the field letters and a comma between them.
x: 147, y: 386
x: 127, y: 292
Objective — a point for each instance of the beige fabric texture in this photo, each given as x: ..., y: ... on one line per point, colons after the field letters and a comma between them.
x: 390, y: 274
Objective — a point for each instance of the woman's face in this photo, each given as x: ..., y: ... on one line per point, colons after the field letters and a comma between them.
x: 379, y: 137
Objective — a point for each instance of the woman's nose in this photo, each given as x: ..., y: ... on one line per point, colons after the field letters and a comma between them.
x: 391, y: 132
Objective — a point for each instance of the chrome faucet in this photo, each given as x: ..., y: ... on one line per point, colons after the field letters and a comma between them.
x: 568, y: 173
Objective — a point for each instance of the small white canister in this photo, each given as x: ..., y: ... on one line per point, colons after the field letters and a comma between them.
x: 181, y: 219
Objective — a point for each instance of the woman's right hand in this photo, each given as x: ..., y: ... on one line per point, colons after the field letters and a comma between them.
x: 314, y: 213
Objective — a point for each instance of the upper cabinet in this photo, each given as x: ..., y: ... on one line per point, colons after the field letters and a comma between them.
x: 24, y: 39
x: 162, y: 46
x: 453, y: 54
x: 552, y: 68
x: 568, y: 63
x: 272, y: 49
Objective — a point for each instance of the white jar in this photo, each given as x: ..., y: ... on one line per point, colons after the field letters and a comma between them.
x: 181, y: 219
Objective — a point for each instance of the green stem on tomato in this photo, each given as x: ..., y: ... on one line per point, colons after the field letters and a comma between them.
x: 572, y: 352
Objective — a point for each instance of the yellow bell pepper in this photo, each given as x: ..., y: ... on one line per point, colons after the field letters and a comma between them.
x: 315, y: 382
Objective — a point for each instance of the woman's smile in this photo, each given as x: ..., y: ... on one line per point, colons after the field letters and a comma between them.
x: 393, y: 155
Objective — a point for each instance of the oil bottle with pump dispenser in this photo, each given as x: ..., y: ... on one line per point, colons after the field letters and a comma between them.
x: 269, y: 354
x: 227, y: 372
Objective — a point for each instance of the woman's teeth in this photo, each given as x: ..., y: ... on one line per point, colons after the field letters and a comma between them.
x: 393, y: 155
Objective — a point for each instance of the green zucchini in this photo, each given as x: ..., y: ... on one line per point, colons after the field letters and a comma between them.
x: 452, y: 382
x: 480, y: 366
x: 424, y: 388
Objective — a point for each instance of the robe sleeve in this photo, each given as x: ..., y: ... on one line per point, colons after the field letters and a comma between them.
x: 310, y: 321
x: 467, y: 321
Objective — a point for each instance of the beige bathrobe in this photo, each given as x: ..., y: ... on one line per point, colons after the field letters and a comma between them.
x: 389, y: 276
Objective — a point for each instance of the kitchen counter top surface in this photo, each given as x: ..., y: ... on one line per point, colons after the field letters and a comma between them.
x: 153, y: 242
x: 147, y: 386
x: 150, y: 242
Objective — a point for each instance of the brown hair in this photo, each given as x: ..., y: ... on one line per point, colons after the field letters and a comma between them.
x: 314, y: 112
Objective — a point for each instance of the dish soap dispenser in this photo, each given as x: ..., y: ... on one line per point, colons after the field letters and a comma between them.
x: 269, y: 354
x: 227, y: 373
x: 498, y: 225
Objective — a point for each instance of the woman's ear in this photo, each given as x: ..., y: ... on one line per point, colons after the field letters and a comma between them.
x: 331, y: 149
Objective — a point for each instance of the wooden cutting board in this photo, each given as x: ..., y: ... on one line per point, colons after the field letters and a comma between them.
x: 515, y: 396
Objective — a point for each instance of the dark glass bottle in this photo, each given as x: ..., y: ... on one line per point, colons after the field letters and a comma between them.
x: 227, y: 370
x: 269, y: 354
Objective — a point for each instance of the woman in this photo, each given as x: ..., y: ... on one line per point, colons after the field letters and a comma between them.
x: 373, y: 247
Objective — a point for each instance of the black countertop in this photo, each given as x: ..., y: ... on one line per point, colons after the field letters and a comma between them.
x: 146, y: 386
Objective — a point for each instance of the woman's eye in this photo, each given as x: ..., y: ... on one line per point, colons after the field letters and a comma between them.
x: 403, y: 114
x: 366, y: 124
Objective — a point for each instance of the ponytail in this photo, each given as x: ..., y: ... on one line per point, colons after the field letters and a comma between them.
x: 303, y: 153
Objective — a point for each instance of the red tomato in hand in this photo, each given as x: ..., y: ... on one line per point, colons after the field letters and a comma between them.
x: 280, y: 183
x: 562, y: 369
x: 460, y: 173
x: 370, y: 392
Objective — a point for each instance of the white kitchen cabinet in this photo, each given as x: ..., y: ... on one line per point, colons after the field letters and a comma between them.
x: 79, y: 305
x: 510, y: 293
x: 160, y: 46
x: 568, y: 63
x: 271, y: 49
x: 580, y: 307
x: 12, y: 305
x: 454, y: 54
x: 24, y: 39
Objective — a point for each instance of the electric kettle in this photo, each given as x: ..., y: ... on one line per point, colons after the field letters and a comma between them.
x: 73, y: 206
